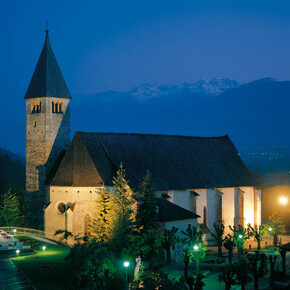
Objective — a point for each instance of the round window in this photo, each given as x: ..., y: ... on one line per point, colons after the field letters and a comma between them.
x: 61, y: 208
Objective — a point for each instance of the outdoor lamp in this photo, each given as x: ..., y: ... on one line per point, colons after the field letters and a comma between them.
x: 195, y: 247
x: 43, y: 248
x: 17, y: 252
x: 270, y: 229
x: 240, y: 236
x: 14, y: 231
x: 126, y: 264
x: 283, y: 200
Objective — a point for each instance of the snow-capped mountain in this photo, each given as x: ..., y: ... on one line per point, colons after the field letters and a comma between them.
x: 203, y: 89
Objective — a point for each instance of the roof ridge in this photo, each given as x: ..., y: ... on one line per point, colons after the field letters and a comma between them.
x: 152, y: 134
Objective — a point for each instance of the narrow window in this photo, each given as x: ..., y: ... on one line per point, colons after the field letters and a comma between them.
x: 219, y: 208
x: 87, y: 223
x: 39, y: 106
x: 56, y: 107
x: 61, y: 107
x: 34, y: 123
x: 189, y: 226
x: 53, y: 107
x: 204, y: 215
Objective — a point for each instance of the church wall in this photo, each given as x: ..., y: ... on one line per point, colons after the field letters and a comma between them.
x: 181, y: 225
x: 228, y: 207
x: 84, y: 199
x: 249, y: 209
x: 201, y: 202
x: 182, y: 199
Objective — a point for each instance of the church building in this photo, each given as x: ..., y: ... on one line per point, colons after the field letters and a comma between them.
x: 199, y: 181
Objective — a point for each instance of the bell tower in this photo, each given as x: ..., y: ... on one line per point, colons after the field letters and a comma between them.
x: 47, y: 130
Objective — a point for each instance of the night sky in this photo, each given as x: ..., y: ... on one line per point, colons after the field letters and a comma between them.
x: 103, y: 45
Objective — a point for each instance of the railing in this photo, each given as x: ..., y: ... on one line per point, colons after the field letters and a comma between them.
x: 27, y: 231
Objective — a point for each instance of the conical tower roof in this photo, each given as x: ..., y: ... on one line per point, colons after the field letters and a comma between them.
x: 47, y: 79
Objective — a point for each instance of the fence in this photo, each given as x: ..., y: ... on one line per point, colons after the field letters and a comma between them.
x: 27, y: 231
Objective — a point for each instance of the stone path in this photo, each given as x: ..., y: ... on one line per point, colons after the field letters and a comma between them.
x: 10, y: 276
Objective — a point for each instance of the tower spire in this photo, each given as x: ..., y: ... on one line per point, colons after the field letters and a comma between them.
x: 47, y: 79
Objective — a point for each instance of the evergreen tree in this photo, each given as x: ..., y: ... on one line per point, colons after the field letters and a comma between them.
x: 146, y: 216
x: 10, y: 210
x: 122, y: 208
x: 100, y: 225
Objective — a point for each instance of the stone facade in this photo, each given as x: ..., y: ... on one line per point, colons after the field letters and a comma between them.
x: 47, y: 134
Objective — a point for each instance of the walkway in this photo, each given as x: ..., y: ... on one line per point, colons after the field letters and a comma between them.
x: 10, y: 276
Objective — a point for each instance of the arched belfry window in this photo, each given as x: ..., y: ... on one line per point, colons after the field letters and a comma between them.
x: 53, y: 108
x: 56, y: 107
x: 87, y: 223
x: 33, y: 109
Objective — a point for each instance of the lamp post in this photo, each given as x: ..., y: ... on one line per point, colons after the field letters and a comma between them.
x: 270, y: 230
x: 17, y: 252
x: 14, y: 232
x: 196, y: 248
x: 239, y: 241
x: 43, y: 248
x: 126, y: 265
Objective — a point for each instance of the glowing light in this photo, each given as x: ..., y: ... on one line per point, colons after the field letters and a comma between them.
x: 195, y: 247
x: 240, y: 236
x: 283, y: 200
x: 14, y: 231
x: 126, y: 264
x: 270, y: 229
x: 17, y: 252
x: 43, y: 248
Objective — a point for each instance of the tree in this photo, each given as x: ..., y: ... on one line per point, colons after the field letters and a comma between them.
x: 229, y: 244
x: 277, y: 225
x: 146, y: 245
x: 146, y: 217
x: 242, y: 273
x: 122, y: 205
x: 258, y: 232
x: 196, y: 245
x: 100, y: 225
x: 94, y: 267
x: 169, y: 239
x: 10, y: 212
x: 227, y: 274
x: 218, y: 235
x: 240, y: 235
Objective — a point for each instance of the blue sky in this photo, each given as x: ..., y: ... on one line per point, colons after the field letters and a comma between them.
x: 104, y: 45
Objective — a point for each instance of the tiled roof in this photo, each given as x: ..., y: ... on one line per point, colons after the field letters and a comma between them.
x: 175, y: 162
x: 47, y: 79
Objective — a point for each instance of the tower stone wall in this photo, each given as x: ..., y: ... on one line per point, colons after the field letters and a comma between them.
x: 47, y: 134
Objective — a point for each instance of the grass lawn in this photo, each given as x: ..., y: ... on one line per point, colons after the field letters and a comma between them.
x: 46, y: 269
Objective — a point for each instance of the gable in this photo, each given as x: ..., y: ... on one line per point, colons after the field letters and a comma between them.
x: 77, y: 167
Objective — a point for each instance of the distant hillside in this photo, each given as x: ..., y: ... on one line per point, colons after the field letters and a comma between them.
x: 12, y: 171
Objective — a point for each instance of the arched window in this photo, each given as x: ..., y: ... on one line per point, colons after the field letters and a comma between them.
x: 87, y: 223
x: 219, y: 208
x: 39, y: 106
x: 56, y: 107
x: 205, y: 215
x: 53, y: 109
